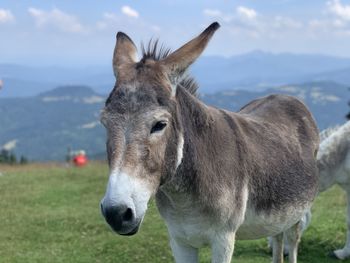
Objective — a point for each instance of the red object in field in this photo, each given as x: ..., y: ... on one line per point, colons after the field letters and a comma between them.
x: 80, y: 160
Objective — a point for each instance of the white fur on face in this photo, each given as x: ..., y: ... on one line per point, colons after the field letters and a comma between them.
x: 180, y: 149
x: 124, y: 189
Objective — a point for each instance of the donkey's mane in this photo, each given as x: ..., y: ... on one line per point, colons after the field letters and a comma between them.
x: 158, y: 52
x: 153, y: 51
x: 328, y: 132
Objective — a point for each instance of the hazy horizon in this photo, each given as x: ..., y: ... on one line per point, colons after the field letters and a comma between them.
x: 83, y: 33
x: 77, y: 65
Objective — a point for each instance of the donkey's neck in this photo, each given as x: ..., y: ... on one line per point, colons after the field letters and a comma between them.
x: 203, y: 136
x: 334, y: 148
x: 196, y: 119
x: 195, y: 115
x: 211, y: 167
x: 332, y: 155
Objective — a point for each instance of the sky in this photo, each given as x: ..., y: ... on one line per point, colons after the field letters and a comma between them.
x: 77, y: 32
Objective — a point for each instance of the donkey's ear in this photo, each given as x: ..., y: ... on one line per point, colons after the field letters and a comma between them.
x: 178, y: 61
x: 125, y: 53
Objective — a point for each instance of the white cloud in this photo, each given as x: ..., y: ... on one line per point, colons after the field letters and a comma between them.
x: 246, y: 13
x: 212, y: 12
x: 110, y: 16
x: 107, y: 20
x: 336, y: 8
x: 247, y: 22
x: 127, y: 10
x: 110, y: 21
x: 215, y: 13
x: 6, y: 16
x: 286, y: 23
x: 337, y: 23
x: 57, y: 19
x: 156, y: 28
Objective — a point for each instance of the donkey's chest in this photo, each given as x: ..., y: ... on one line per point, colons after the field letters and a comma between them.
x: 191, y: 231
x: 185, y: 221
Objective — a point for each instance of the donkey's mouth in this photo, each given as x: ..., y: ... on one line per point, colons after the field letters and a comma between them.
x: 126, y: 230
x: 131, y: 233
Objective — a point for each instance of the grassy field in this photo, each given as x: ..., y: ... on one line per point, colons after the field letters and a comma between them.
x: 50, y: 213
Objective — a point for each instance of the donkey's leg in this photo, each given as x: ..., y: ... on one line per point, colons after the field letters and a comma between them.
x: 183, y: 253
x: 293, y: 236
x: 304, y: 224
x: 222, y: 247
x: 277, y: 248
x: 345, y: 252
x: 285, y: 245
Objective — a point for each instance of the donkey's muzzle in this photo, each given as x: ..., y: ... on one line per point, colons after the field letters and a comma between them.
x: 121, y: 219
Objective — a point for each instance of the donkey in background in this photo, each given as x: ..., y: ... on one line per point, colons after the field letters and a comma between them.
x: 216, y: 175
x: 333, y: 161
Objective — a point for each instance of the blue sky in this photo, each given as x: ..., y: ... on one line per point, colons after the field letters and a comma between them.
x: 83, y: 32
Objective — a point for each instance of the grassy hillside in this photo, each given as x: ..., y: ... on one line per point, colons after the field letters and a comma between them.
x: 50, y: 213
x: 43, y: 127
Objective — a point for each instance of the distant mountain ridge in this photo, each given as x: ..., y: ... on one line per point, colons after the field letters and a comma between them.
x: 254, y: 70
x: 260, y: 69
x: 328, y: 101
x: 44, y: 126
x: 26, y: 81
x: 72, y: 91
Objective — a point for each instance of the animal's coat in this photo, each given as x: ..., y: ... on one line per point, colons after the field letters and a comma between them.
x: 216, y: 174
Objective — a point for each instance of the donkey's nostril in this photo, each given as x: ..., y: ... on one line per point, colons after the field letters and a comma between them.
x: 128, y: 215
x: 119, y: 217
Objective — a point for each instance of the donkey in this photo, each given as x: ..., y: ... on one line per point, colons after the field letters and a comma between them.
x: 333, y: 161
x: 216, y: 175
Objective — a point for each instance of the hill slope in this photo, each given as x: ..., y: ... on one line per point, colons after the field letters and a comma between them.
x: 46, y: 125
x: 43, y: 127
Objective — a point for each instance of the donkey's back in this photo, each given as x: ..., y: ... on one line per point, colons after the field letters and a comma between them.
x: 283, y: 141
x: 285, y: 116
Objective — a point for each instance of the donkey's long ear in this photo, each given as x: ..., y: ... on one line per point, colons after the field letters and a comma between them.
x: 125, y: 53
x: 178, y: 61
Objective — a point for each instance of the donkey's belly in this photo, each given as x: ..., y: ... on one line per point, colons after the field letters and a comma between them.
x: 259, y: 225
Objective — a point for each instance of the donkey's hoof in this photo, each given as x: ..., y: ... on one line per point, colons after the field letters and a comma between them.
x: 340, y: 254
x: 336, y: 255
x: 332, y: 255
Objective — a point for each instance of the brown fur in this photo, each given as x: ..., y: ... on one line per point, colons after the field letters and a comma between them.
x: 267, y: 148
x: 269, y: 144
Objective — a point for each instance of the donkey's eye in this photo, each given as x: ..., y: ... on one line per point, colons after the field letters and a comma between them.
x: 160, y: 125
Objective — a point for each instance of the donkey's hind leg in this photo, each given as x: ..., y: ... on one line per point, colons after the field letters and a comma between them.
x: 344, y: 253
x: 277, y: 248
x: 293, y: 236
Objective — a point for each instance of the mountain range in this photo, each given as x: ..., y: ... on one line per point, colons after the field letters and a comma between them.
x: 44, y: 126
x: 252, y: 71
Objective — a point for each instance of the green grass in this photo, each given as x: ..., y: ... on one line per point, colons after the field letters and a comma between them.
x: 50, y: 213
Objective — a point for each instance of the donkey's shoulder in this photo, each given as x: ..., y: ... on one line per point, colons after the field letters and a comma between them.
x: 278, y: 108
x: 275, y: 103
x: 283, y: 111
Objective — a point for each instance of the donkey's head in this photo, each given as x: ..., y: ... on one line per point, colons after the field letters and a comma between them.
x: 144, y: 131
